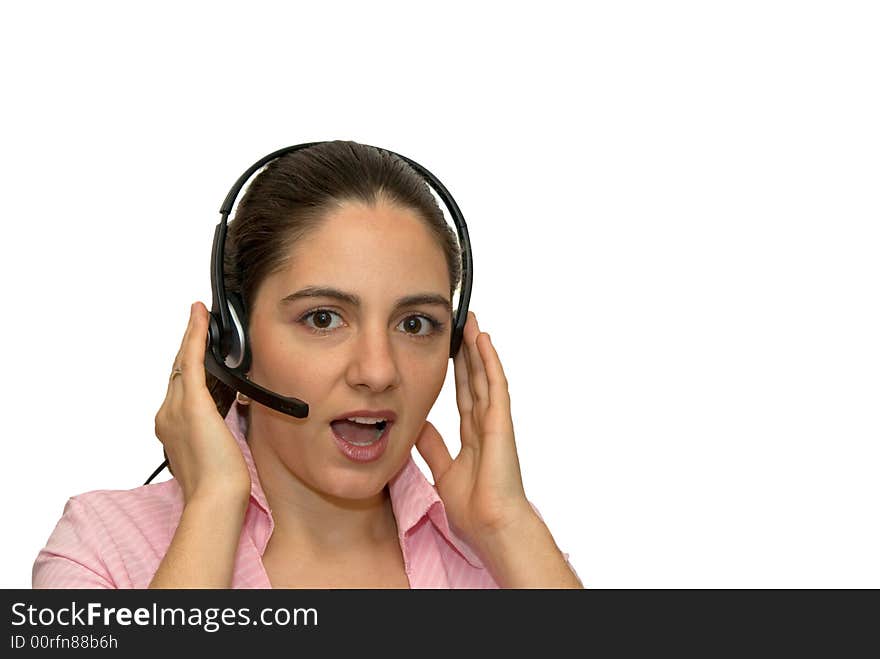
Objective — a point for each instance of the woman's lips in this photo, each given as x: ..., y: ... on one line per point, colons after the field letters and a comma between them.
x: 362, y: 454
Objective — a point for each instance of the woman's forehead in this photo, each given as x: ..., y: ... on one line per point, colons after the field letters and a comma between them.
x: 373, y: 238
x: 371, y: 253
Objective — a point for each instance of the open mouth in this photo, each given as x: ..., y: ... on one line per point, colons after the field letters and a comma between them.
x: 361, y: 440
x: 358, y: 433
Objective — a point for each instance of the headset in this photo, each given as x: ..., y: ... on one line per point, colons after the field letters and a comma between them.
x: 227, y: 354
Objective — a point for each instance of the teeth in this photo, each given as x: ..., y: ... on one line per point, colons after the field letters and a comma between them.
x: 365, y: 419
x: 364, y: 443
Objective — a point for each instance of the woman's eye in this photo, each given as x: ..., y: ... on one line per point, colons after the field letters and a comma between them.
x: 414, y: 326
x: 418, y: 326
x: 322, y: 320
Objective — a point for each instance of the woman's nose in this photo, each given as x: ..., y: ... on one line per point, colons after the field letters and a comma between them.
x: 372, y: 362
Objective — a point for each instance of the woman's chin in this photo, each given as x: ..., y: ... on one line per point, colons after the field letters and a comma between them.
x: 355, y: 489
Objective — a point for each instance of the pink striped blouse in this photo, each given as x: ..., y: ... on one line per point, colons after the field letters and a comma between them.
x: 117, y: 538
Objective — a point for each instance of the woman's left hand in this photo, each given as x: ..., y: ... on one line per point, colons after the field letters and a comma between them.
x: 482, y: 487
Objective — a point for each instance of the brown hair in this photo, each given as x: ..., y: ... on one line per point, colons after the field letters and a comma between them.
x: 291, y: 197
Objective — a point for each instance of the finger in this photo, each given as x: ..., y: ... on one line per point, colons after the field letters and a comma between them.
x: 462, y: 388
x: 432, y: 448
x: 479, y: 384
x: 464, y: 399
x: 193, y: 360
x: 175, y: 388
x: 499, y: 391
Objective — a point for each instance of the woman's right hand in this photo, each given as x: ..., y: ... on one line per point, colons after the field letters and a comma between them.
x: 202, y: 453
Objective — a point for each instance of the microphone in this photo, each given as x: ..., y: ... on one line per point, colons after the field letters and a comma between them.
x: 237, y: 380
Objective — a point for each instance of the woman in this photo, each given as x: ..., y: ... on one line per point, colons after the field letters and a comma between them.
x: 325, y: 245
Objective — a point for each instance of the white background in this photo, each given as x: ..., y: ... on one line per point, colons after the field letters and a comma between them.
x: 674, y: 216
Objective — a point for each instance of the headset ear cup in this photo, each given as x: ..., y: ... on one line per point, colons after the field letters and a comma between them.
x: 239, y: 356
x: 215, y: 335
x: 457, y: 334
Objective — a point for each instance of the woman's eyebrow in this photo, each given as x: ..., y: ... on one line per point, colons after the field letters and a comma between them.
x: 354, y: 300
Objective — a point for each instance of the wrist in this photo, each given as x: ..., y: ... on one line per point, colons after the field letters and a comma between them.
x: 215, y: 501
x: 523, y: 554
x: 505, y: 533
x: 500, y: 538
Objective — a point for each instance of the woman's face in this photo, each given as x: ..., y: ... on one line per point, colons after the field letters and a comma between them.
x: 374, y: 355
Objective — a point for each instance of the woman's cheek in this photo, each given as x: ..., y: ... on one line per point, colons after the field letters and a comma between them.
x: 431, y: 383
